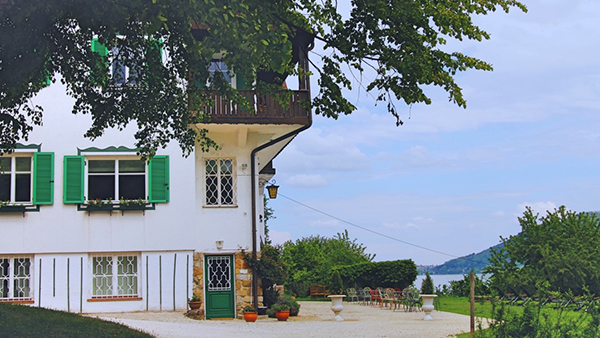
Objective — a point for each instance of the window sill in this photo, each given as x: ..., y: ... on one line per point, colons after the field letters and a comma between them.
x: 17, y: 300
x: 116, y: 207
x: 114, y: 298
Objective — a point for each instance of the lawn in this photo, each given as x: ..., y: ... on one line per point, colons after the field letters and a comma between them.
x: 483, y: 311
x: 20, y: 321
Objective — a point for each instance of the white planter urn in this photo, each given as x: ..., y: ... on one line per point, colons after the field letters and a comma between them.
x: 336, y: 306
x: 428, y: 305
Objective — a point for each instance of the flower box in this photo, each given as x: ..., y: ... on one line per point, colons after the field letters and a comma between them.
x: 13, y: 208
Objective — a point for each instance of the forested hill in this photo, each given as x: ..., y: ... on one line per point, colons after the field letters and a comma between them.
x: 461, y: 265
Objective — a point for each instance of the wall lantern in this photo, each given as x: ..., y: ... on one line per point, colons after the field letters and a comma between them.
x: 272, y: 191
x: 219, y: 244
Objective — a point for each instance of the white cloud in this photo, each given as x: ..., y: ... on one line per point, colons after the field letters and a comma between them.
x: 328, y: 223
x: 540, y: 208
x: 279, y: 237
x: 306, y: 181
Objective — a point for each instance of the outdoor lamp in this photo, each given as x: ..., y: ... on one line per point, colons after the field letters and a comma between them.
x: 272, y: 191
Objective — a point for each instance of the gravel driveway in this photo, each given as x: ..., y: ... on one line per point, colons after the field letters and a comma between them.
x: 315, y: 320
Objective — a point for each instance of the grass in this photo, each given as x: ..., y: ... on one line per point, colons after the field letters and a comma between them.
x: 20, y: 321
x: 483, y: 309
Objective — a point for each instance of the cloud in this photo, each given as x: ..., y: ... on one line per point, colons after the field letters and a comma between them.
x: 329, y: 223
x: 537, y: 207
x: 279, y: 237
x: 306, y: 181
x: 317, y: 151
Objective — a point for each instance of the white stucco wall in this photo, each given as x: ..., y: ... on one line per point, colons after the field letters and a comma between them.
x: 165, y: 238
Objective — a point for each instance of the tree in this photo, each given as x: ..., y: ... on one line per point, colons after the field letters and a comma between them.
x: 311, y: 260
x: 559, y: 250
x: 401, y: 40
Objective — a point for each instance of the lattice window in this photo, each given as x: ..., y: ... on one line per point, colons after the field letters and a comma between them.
x: 220, y: 182
x: 219, y: 273
x: 15, y: 277
x: 107, y: 283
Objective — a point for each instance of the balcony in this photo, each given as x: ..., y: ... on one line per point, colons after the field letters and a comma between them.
x: 267, y: 110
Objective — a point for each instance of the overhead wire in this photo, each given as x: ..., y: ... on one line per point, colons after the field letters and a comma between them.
x: 375, y: 232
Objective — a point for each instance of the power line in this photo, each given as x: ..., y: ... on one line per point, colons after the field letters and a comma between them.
x: 375, y: 232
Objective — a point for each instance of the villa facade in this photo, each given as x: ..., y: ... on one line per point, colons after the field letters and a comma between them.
x: 89, y: 227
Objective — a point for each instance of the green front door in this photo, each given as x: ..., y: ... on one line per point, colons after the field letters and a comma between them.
x: 219, y: 287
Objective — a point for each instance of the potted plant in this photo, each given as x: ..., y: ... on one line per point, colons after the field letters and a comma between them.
x: 427, y: 294
x: 135, y: 204
x: 99, y: 205
x: 282, y: 311
x: 250, y: 314
x: 195, y: 302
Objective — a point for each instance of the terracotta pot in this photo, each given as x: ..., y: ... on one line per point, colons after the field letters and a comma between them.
x: 195, y: 305
x: 282, y: 316
x: 250, y: 316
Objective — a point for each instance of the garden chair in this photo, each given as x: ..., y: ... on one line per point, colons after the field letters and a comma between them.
x: 410, y: 301
x: 352, y: 295
x: 375, y: 297
x: 387, y: 297
x: 367, y: 295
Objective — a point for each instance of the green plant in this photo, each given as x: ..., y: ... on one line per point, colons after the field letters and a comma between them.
x: 280, y: 307
x: 99, y: 202
x: 249, y: 308
x: 291, y: 303
x: 128, y: 202
x: 427, y: 285
x: 336, y: 287
x: 270, y: 270
x: 195, y: 298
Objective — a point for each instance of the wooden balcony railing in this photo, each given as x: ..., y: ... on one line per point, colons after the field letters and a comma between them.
x: 267, y: 110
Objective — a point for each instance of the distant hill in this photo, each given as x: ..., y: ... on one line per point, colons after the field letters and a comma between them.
x: 461, y: 265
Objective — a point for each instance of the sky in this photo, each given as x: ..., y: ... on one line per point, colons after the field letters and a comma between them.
x: 453, y: 181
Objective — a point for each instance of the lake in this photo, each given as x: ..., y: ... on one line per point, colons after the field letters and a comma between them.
x: 439, y: 279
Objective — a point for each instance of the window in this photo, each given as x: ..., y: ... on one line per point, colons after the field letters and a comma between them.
x: 115, y: 177
x: 127, y: 72
x: 27, y: 178
x: 115, y: 276
x: 15, y: 277
x: 218, y: 66
x: 220, y: 182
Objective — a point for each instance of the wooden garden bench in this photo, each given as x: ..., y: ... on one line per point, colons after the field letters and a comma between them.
x: 318, y: 291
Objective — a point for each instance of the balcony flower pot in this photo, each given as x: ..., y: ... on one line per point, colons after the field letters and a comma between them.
x: 103, y: 207
x: 427, y: 305
x: 132, y: 206
x: 12, y: 208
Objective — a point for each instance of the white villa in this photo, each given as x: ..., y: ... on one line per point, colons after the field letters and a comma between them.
x: 88, y: 227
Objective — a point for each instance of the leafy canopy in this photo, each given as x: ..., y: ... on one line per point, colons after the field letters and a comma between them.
x: 558, y: 252
x: 401, y: 40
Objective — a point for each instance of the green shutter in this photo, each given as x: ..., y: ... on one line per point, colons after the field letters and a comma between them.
x: 73, y: 179
x: 99, y: 48
x: 43, y: 178
x: 241, y: 84
x: 159, y: 179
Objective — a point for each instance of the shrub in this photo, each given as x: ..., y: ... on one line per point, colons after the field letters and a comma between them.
x: 291, y: 303
x: 427, y: 285
x: 393, y: 274
x: 336, y: 287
